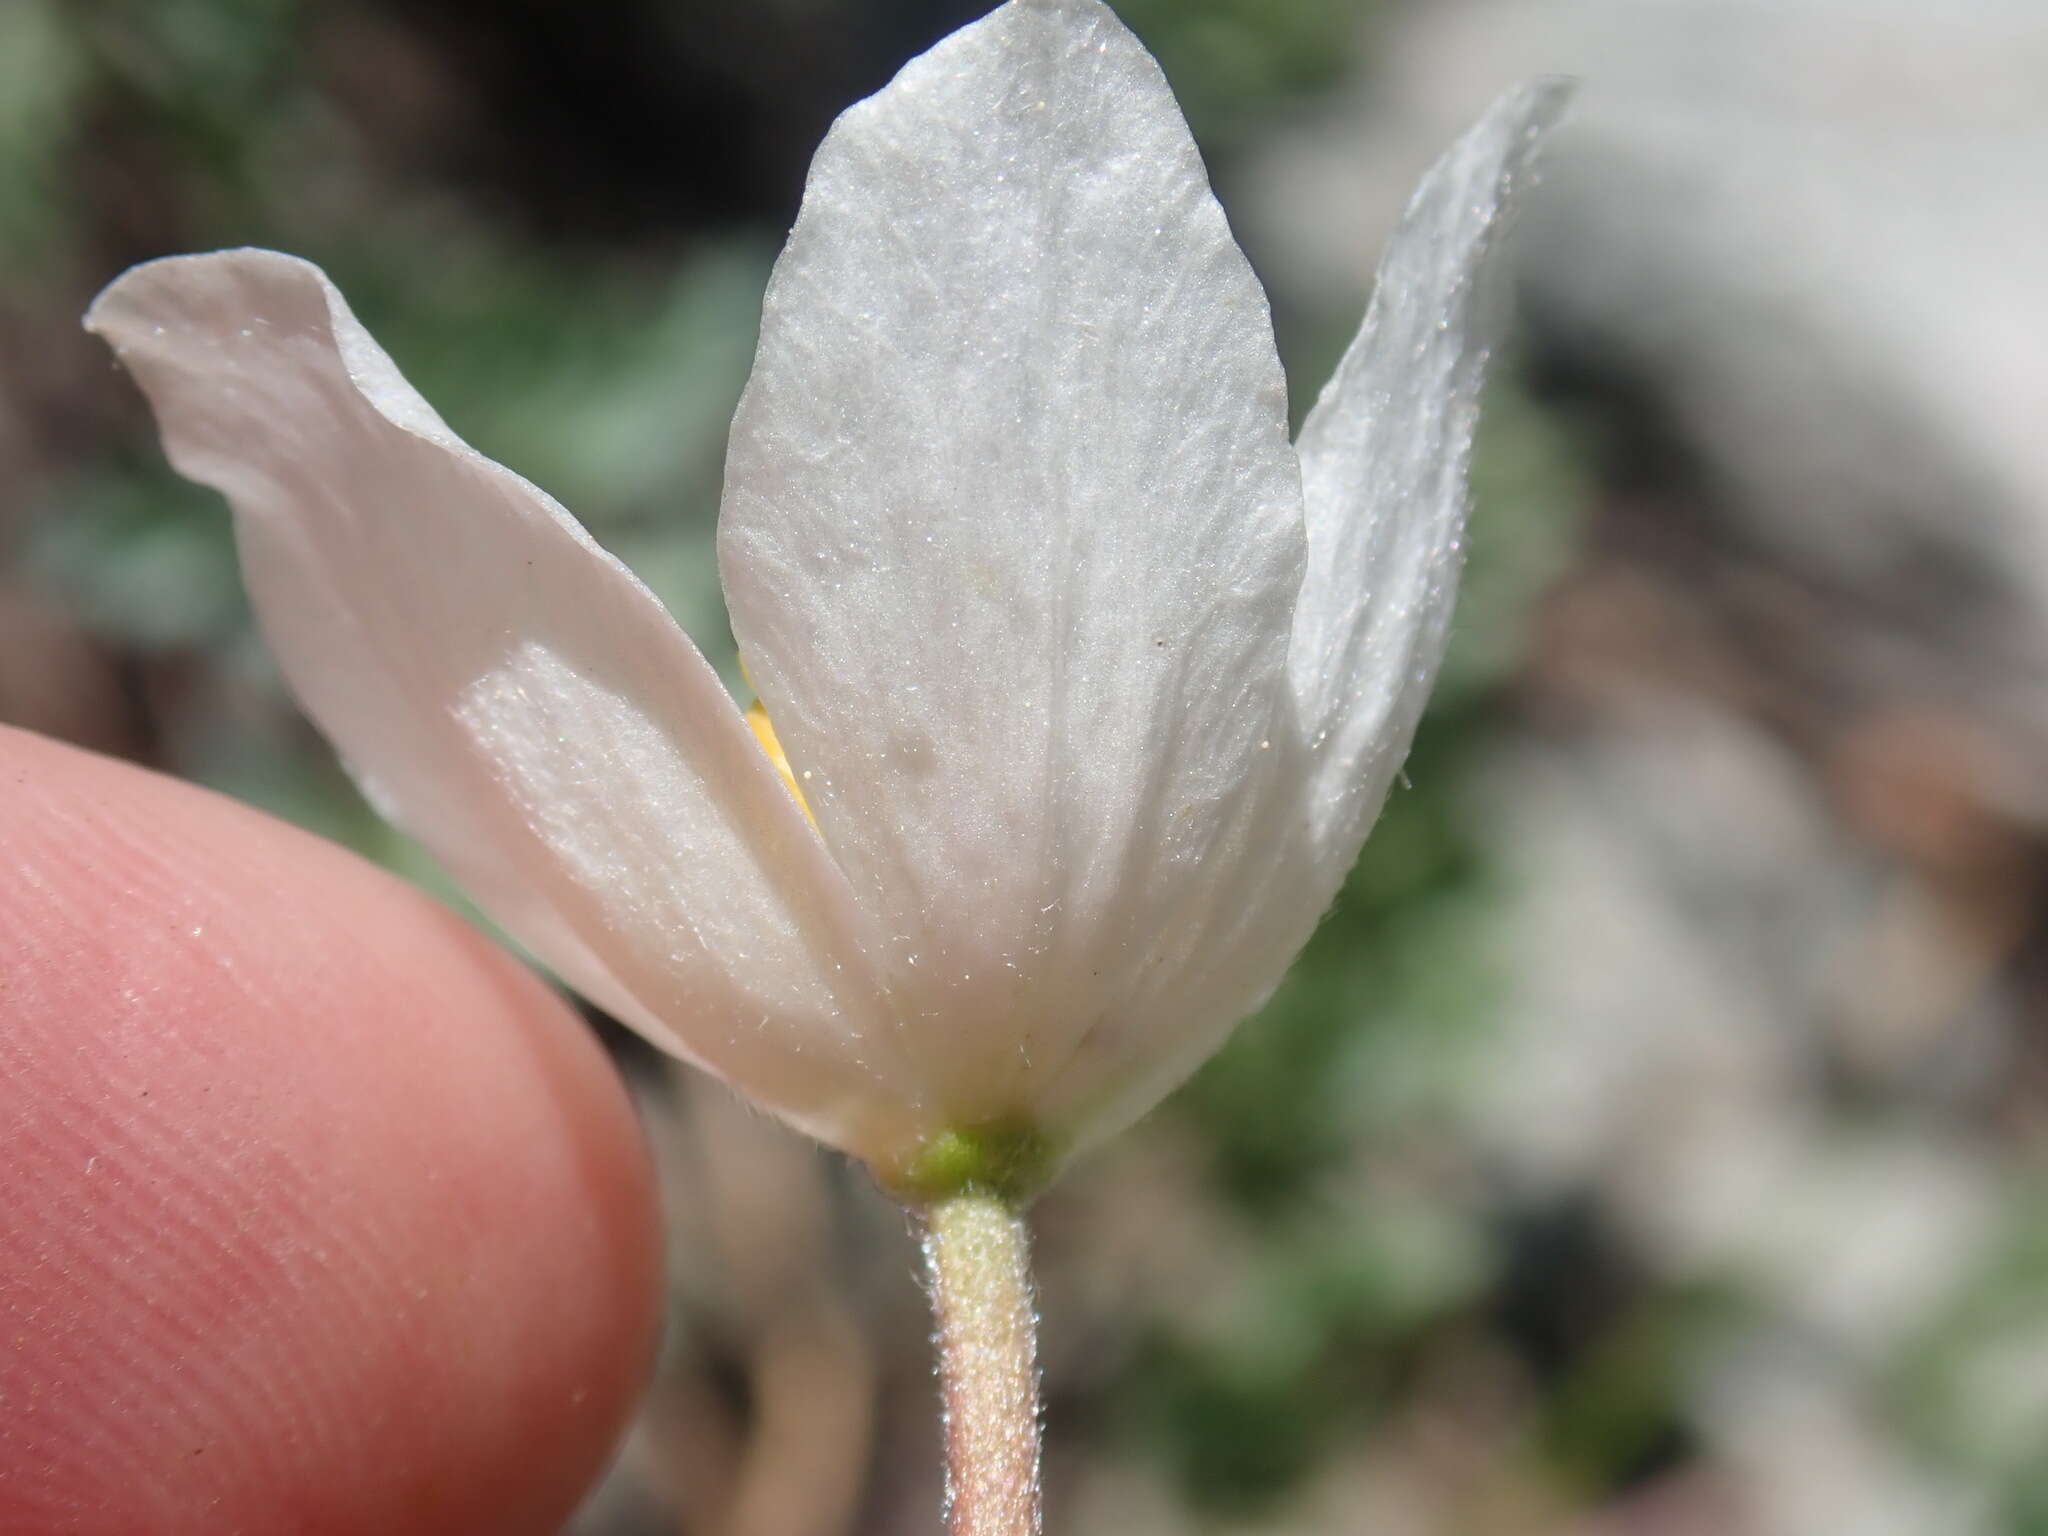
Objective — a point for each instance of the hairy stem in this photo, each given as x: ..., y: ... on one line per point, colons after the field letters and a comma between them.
x: 979, y: 1256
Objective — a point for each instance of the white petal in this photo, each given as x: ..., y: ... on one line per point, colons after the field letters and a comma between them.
x: 507, y: 692
x: 1212, y: 968
x: 1012, y: 535
x: 1384, y: 465
x: 1383, y: 458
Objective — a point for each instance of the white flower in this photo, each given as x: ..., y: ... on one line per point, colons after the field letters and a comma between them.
x: 1092, y: 684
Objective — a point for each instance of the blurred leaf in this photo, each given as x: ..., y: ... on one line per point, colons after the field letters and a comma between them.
x: 1972, y: 1388
x: 144, y: 556
x: 1233, y: 60
x: 41, y: 73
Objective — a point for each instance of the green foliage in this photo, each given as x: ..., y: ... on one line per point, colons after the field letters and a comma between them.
x: 1621, y: 1403
x: 1309, y: 1355
x: 1970, y: 1388
x: 1232, y: 61
x: 142, y: 556
x: 41, y: 71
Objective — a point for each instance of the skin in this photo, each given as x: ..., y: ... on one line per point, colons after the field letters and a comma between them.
x: 317, y: 1212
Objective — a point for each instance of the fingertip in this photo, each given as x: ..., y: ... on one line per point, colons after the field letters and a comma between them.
x: 323, y: 1214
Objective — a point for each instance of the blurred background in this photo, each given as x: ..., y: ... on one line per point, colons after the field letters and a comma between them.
x: 1652, y: 1141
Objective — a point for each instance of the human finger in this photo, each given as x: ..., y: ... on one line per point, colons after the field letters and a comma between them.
x: 321, y: 1214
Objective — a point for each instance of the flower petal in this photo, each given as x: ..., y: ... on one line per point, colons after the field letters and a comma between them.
x: 1383, y: 459
x: 1384, y: 465
x: 1012, y: 535
x: 507, y: 692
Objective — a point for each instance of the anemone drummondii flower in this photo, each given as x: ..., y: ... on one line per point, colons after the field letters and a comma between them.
x: 1090, y: 683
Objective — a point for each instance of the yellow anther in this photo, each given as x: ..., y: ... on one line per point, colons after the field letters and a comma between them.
x: 764, y: 732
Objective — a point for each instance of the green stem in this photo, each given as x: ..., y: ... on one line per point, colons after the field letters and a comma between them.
x: 979, y: 1255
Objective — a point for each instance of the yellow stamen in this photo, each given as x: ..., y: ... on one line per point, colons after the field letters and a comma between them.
x: 764, y: 732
